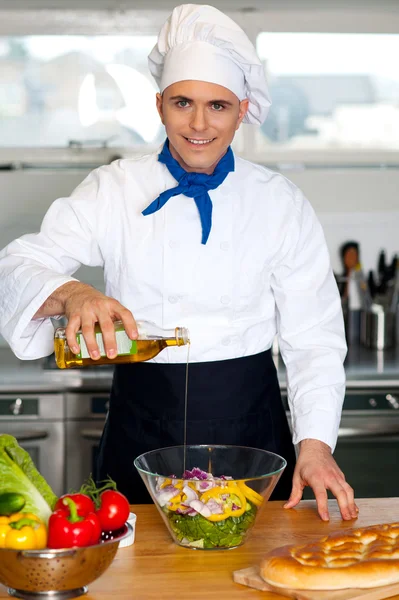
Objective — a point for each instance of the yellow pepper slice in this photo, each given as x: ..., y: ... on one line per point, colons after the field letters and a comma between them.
x: 165, y: 483
x: 179, y: 485
x: 175, y: 502
x: 217, y: 493
x: 250, y: 494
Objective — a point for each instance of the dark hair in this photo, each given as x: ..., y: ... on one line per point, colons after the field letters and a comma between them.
x: 347, y: 246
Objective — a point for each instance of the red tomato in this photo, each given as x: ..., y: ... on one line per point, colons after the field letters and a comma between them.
x: 114, y: 510
x: 84, y: 504
x: 96, y: 528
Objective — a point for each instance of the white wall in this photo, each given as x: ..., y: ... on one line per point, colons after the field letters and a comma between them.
x: 355, y: 204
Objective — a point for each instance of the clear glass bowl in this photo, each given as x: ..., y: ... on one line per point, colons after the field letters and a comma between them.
x: 217, y: 512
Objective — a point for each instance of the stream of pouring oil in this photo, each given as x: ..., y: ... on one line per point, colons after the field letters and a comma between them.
x: 185, y: 410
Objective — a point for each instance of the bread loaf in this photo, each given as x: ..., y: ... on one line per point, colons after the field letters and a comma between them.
x: 366, y: 557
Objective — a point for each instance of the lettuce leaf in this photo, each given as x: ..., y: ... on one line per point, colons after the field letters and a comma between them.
x: 213, y: 534
x: 19, y: 474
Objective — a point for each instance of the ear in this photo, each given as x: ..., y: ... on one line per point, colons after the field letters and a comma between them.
x: 244, y: 104
x: 160, y: 107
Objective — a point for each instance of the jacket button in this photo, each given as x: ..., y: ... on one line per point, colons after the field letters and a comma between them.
x: 226, y: 341
x: 225, y: 299
x: 173, y: 244
x: 224, y: 245
x: 173, y: 299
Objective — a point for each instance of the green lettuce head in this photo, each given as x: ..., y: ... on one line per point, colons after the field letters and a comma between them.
x: 19, y: 474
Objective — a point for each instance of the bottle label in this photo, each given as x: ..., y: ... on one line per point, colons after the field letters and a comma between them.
x: 124, y: 345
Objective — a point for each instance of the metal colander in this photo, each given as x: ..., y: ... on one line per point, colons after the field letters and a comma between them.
x: 59, y: 574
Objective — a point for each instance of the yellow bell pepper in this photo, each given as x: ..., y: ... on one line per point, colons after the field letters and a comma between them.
x: 179, y: 485
x: 22, y: 531
x: 250, y: 494
x: 177, y: 502
x: 217, y: 494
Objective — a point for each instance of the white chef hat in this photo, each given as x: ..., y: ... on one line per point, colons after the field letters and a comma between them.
x: 198, y: 42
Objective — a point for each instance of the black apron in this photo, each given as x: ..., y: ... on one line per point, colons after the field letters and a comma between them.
x: 229, y: 402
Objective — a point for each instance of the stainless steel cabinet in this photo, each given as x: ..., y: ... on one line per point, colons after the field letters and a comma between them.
x: 36, y: 421
x: 85, y: 418
x: 367, y: 450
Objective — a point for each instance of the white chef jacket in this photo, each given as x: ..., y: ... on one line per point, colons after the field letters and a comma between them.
x: 264, y: 269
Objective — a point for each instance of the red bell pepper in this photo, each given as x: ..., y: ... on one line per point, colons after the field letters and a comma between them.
x: 66, y: 529
x: 84, y: 504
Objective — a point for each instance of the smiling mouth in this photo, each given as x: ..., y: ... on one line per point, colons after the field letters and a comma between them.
x: 197, y: 142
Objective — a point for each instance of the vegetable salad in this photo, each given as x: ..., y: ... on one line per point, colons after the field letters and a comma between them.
x: 206, y: 511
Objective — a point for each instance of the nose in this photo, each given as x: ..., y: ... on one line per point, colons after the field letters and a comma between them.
x: 198, y: 119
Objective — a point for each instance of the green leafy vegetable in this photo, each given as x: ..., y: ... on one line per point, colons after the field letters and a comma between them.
x: 19, y: 474
x: 220, y: 534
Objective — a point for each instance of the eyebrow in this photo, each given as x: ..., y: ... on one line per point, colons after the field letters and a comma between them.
x: 226, y: 102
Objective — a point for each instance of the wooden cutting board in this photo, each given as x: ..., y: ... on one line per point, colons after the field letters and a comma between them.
x: 251, y: 578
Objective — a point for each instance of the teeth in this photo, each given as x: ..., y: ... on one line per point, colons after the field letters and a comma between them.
x: 199, y: 141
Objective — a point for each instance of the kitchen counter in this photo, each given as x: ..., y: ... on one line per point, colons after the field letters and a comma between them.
x: 154, y: 567
x: 364, y: 368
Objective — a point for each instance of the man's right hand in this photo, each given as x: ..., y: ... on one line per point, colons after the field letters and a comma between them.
x: 84, y: 306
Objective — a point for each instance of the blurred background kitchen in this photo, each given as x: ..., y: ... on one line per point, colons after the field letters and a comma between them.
x: 75, y: 93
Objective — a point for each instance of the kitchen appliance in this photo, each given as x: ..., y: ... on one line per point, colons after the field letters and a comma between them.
x: 378, y: 328
x: 85, y: 418
x: 368, y: 442
x: 36, y: 421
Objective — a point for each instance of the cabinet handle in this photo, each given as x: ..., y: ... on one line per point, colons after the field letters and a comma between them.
x: 91, y: 434
x: 348, y: 432
x: 31, y: 436
x: 393, y: 401
x: 16, y: 407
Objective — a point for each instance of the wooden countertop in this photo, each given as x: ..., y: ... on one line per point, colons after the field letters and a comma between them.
x: 155, y: 568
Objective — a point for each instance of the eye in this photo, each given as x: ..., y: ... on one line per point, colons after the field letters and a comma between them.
x: 217, y: 107
x: 182, y: 103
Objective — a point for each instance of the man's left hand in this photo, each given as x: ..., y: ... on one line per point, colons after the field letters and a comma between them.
x: 317, y: 468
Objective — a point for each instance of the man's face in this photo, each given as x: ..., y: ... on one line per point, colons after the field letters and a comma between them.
x: 351, y: 258
x: 200, y: 119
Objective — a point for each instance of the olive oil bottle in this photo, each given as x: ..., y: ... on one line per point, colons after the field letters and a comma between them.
x: 151, y: 340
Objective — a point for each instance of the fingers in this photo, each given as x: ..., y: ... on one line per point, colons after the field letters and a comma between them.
x: 71, y: 331
x: 108, y: 328
x: 89, y: 335
x: 320, y: 493
x: 128, y: 321
x: 90, y: 308
x: 296, y: 493
x: 318, y: 470
x: 104, y: 314
x: 345, y: 498
x: 108, y: 334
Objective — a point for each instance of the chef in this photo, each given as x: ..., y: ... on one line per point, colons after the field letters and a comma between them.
x: 194, y: 236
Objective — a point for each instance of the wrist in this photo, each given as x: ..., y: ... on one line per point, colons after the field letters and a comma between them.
x: 314, y: 445
x: 68, y: 292
x: 55, y: 305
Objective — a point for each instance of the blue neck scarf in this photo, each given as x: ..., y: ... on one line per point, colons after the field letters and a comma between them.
x: 193, y: 185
